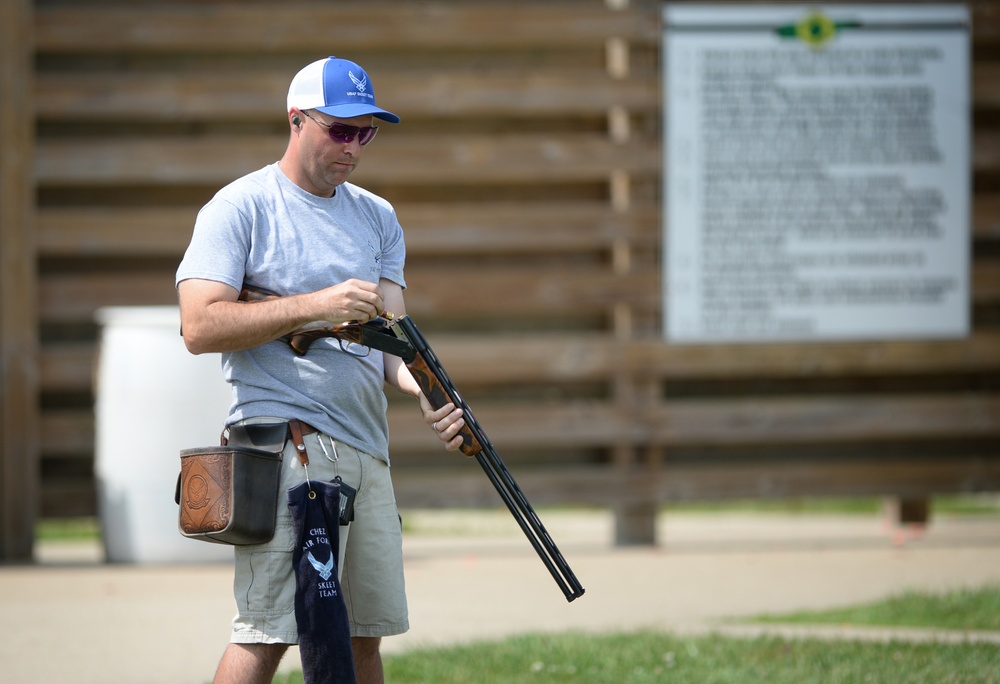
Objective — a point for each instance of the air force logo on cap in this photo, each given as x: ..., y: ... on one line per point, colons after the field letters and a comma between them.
x: 360, y: 83
x: 337, y: 87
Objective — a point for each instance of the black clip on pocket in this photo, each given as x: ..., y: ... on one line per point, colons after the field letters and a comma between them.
x: 347, y: 494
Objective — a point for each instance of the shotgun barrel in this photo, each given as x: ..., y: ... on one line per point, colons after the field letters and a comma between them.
x: 439, y: 390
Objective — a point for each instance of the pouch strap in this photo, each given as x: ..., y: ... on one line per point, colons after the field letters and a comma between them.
x: 300, y: 446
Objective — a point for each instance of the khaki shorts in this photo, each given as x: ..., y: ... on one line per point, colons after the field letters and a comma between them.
x: 371, y: 552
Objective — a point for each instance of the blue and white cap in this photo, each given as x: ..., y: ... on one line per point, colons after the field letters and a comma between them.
x: 337, y: 87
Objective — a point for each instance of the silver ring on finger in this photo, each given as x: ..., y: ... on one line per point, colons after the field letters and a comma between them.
x: 435, y: 426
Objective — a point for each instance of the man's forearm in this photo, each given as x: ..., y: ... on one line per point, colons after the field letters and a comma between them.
x: 242, y: 325
x: 399, y: 376
x: 226, y: 325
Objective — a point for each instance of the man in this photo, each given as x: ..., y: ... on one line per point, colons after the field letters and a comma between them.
x: 333, y: 252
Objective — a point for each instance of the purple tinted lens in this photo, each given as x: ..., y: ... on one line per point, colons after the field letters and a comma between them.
x: 343, y: 133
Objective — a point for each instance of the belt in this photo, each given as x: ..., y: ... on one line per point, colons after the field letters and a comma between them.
x: 298, y: 429
x: 307, y: 429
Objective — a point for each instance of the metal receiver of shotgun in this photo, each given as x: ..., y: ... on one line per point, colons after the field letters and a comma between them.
x: 404, y: 339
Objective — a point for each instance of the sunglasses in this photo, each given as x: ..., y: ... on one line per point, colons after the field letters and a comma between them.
x: 344, y: 134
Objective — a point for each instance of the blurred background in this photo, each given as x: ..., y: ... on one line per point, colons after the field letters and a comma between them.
x: 527, y: 175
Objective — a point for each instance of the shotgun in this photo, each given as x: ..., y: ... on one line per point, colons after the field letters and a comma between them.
x: 439, y: 390
x: 403, y: 338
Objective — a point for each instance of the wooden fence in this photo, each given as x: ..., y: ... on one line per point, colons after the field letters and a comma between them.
x: 526, y: 174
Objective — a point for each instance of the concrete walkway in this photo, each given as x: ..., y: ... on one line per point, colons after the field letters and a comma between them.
x: 73, y: 618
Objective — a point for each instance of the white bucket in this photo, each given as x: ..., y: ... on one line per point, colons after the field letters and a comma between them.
x: 154, y: 398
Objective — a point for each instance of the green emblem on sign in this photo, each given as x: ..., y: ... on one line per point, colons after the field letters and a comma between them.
x: 816, y: 29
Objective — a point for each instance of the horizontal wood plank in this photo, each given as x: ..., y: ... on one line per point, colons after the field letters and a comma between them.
x: 432, y: 229
x: 76, y: 298
x: 522, y: 293
x: 848, y: 477
x: 68, y: 498
x: 67, y: 433
x: 312, y: 26
x: 985, y: 85
x: 260, y: 95
x: 730, y: 423
x: 414, y: 160
x: 466, y: 485
x: 832, y: 419
x: 350, y: 26
x: 460, y: 159
x: 986, y: 281
x: 83, y: 232
x: 528, y: 292
x: 986, y: 151
x: 726, y: 423
x: 979, y: 353
x: 67, y: 368
x: 985, y: 23
x: 553, y: 358
x: 986, y: 217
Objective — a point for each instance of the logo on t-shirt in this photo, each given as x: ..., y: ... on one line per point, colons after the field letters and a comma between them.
x: 377, y: 256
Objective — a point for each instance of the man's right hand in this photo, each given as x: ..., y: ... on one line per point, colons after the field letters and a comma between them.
x: 352, y: 300
x: 214, y: 320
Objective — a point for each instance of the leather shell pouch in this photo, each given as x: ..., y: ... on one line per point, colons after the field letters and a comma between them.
x: 229, y: 494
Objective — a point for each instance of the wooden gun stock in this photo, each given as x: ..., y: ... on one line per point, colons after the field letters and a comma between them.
x: 250, y: 295
x: 438, y: 396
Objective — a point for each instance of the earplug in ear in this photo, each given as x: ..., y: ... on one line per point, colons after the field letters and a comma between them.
x: 296, y: 121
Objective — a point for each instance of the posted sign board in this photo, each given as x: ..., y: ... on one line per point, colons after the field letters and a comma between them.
x: 816, y: 172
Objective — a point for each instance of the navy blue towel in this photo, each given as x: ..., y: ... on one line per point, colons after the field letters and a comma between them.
x: 320, y: 612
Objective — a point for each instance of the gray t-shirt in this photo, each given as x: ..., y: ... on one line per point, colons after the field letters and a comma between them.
x: 263, y: 231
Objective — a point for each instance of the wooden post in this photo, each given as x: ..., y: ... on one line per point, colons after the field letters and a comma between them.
x: 908, y: 510
x: 635, y: 520
x: 19, y: 442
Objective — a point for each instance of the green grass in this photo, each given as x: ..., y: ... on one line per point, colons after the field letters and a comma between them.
x: 646, y: 657
x: 970, y: 504
x: 641, y: 657
x: 68, y: 529
x: 951, y: 505
x: 811, y: 506
x: 967, y: 609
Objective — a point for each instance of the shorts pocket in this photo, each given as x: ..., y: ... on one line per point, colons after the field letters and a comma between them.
x: 264, y: 582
